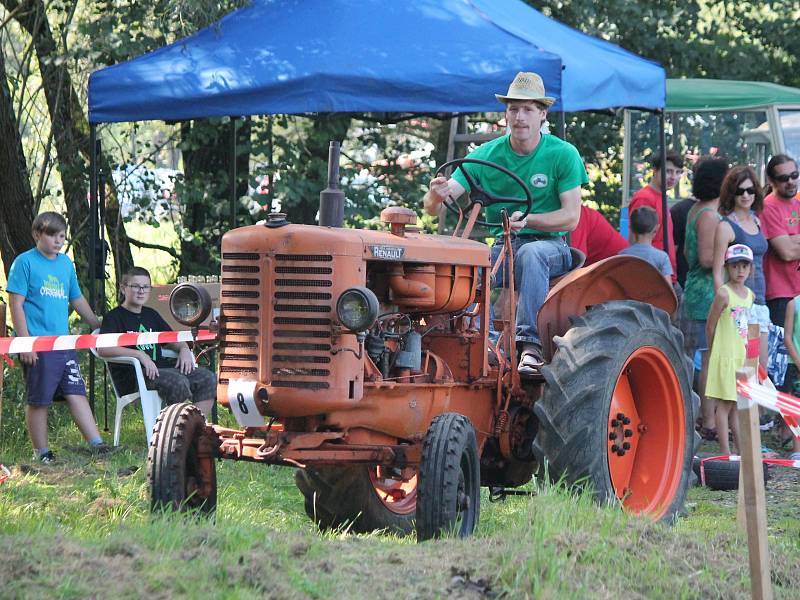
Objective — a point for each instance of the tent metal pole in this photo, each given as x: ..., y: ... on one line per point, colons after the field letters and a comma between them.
x: 561, y: 129
x: 92, y: 242
x: 232, y: 221
x: 662, y: 134
x: 101, y: 268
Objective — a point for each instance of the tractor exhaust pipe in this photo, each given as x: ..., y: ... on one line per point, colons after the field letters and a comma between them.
x: 331, y: 199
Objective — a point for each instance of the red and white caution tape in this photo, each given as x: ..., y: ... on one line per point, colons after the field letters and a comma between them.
x: 46, y: 343
x: 765, y: 394
x: 781, y: 462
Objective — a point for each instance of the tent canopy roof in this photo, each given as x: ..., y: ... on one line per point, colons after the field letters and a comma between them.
x: 698, y: 95
x: 299, y: 56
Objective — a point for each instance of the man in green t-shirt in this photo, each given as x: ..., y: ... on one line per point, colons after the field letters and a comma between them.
x: 553, y: 171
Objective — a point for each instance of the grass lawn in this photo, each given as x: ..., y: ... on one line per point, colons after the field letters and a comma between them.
x: 82, y: 529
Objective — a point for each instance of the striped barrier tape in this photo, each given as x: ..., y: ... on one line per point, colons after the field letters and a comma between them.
x: 765, y: 394
x: 781, y: 462
x: 47, y: 343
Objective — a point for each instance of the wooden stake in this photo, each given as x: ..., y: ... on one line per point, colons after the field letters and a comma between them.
x: 751, y: 488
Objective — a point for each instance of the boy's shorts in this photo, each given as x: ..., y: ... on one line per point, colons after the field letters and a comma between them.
x: 759, y: 313
x: 694, y: 337
x: 55, y: 373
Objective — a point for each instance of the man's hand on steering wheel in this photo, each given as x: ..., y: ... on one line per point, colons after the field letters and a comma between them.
x: 478, y: 195
x: 518, y: 221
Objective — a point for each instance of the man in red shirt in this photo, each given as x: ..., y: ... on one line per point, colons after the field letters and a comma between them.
x: 650, y: 195
x: 595, y: 237
x: 781, y: 223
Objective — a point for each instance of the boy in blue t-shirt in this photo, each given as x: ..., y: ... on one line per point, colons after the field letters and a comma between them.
x: 42, y: 285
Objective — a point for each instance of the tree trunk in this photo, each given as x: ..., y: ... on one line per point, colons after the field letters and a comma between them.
x: 71, y: 137
x: 16, y: 202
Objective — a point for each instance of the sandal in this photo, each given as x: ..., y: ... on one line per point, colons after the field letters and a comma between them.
x: 709, y: 435
x: 529, y: 363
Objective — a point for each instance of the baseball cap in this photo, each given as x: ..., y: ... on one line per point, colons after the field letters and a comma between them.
x: 737, y: 253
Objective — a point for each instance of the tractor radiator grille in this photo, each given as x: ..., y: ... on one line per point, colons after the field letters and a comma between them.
x: 239, y: 334
x: 297, y: 362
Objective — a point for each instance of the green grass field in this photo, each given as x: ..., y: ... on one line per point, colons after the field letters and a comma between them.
x: 82, y: 529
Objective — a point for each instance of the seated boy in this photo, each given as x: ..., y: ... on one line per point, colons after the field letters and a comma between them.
x: 643, y: 225
x: 175, y: 380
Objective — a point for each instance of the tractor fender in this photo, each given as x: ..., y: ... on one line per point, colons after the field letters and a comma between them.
x: 615, y: 278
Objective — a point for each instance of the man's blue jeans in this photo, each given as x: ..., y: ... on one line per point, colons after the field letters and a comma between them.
x: 535, y: 263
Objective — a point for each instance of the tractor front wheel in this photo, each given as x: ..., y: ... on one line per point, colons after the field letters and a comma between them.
x: 181, y: 470
x: 618, y: 410
x: 449, y: 479
x: 359, y: 498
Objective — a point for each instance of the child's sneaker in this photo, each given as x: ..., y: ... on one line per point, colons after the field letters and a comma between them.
x: 47, y: 458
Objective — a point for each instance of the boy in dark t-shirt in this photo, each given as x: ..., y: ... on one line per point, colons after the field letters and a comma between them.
x: 175, y: 380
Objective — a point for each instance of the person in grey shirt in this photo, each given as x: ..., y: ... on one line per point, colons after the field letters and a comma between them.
x: 643, y: 225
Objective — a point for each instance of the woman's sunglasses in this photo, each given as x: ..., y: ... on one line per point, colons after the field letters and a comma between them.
x: 785, y: 178
x: 742, y: 191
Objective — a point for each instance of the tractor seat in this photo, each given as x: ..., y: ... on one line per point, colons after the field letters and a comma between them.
x: 578, y: 260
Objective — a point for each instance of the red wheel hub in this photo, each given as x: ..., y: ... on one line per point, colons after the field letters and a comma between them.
x: 646, y: 433
x: 398, y: 494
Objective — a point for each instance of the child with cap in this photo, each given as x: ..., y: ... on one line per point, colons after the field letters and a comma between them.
x: 726, y: 329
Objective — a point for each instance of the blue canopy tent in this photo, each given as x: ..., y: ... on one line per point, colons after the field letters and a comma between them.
x: 298, y: 56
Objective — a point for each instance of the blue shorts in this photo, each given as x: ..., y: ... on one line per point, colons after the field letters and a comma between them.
x: 55, y: 373
x: 694, y: 337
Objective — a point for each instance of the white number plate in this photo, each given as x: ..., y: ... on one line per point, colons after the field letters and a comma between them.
x: 241, y: 397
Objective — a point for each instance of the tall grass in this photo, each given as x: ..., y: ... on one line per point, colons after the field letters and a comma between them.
x: 83, y: 528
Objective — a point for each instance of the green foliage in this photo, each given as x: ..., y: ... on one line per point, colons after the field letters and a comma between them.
x: 387, y: 159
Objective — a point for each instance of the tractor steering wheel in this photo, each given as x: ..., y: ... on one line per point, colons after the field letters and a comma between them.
x: 480, y: 196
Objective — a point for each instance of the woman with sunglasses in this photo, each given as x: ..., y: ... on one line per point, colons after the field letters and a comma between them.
x: 740, y: 201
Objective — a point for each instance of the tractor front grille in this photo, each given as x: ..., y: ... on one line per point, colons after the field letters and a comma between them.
x: 295, y: 361
x: 239, y: 334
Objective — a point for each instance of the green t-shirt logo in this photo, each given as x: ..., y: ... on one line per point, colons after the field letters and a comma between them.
x: 539, y: 180
x: 151, y: 348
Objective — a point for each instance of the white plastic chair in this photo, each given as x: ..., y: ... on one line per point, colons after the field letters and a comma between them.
x: 150, y: 400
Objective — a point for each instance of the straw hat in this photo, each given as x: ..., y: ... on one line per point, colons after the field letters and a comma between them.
x: 526, y: 86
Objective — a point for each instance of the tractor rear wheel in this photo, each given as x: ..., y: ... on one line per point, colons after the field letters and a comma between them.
x: 359, y: 498
x: 449, y: 479
x: 618, y: 409
x: 181, y: 470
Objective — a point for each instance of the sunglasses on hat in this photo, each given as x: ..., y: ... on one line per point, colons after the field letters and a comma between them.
x: 785, y: 178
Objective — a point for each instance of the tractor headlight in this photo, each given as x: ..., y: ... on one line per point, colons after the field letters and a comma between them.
x: 357, y: 308
x: 190, y: 304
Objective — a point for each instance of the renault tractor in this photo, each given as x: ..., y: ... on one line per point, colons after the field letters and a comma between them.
x: 367, y: 361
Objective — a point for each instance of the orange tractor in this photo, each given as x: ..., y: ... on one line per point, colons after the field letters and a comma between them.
x: 365, y: 360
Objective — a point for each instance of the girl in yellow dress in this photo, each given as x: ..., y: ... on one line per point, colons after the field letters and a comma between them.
x: 726, y: 328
